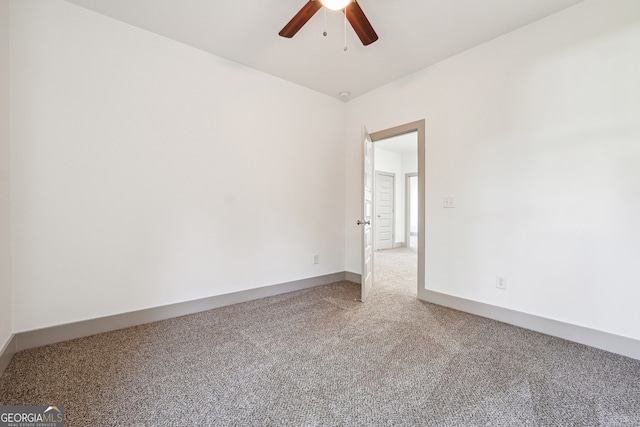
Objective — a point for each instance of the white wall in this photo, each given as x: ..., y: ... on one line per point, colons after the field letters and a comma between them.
x: 410, y: 161
x: 409, y: 165
x: 536, y: 135
x: 413, y: 215
x: 143, y: 171
x: 6, y: 321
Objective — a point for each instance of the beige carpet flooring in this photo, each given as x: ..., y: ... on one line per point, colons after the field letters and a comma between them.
x: 319, y: 357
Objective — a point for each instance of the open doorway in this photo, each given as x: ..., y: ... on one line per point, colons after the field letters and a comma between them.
x: 367, y: 249
x: 395, y: 219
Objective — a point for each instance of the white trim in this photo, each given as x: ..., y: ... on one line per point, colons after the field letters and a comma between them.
x: 618, y: 344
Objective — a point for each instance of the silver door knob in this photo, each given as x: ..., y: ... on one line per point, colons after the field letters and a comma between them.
x: 367, y: 222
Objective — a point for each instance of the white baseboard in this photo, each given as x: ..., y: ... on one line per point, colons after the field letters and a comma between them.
x: 618, y: 344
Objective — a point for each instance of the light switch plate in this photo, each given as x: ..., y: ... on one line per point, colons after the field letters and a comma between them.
x: 501, y: 282
x: 449, y: 202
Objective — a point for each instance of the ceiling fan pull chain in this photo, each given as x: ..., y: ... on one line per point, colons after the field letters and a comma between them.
x: 345, y: 29
x: 324, y: 33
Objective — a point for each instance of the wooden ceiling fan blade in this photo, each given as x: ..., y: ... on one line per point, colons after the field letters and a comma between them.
x: 301, y: 18
x: 360, y: 23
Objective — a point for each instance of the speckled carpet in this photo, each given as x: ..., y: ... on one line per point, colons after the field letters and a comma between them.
x: 318, y: 357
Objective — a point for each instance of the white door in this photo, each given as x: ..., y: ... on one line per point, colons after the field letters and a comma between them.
x: 365, y: 223
x: 384, y: 202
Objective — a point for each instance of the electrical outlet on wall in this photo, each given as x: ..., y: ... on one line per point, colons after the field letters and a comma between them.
x: 501, y: 282
x: 316, y: 259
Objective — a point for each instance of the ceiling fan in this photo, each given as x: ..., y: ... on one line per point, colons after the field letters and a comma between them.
x: 351, y: 9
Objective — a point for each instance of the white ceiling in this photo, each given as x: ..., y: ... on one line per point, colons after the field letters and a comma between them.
x: 413, y: 34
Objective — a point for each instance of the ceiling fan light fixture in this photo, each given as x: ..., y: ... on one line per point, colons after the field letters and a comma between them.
x: 355, y: 16
x: 335, y: 4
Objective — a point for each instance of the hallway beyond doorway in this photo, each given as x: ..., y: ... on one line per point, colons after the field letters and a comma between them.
x: 397, y: 268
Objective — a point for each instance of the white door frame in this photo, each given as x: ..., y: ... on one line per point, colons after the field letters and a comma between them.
x: 419, y: 128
